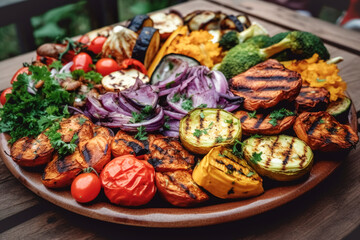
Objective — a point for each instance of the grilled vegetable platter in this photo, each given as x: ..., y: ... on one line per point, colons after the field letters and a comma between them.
x: 173, y: 111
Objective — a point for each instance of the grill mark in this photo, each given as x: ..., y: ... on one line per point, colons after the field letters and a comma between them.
x: 272, y: 78
x: 187, y: 123
x: 303, y: 157
x: 259, y: 121
x: 348, y: 137
x: 62, y: 165
x: 187, y: 190
x: 288, y: 153
x: 219, y: 161
x: 272, y: 151
x: 310, y: 131
x: 231, y: 191
x: 218, y: 115
x: 241, y: 88
x: 106, y: 148
x: 155, y: 162
x: 243, y: 118
x: 138, y: 150
x: 201, y: 120
x: 87, y: 155
x: 230, y: 130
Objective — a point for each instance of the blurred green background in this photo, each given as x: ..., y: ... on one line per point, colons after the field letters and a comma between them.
x: 70, y: 20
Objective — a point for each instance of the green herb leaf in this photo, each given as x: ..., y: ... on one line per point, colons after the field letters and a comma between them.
x: 237, y: 149
x: 320, y: 80
x: 252, y: 114
x: 141, y: 134
x: 279, y: 114
x: 168, y: 85
x: 229, y: 121
x: 77, y: 74
x: 57, y: 65
x: 219, y: 139
x: 256, y: 136
x: 93, y: 76
x: 175, y: 98
x: 203, y: 105
x: 250, y: 174
x: 256, y: 157
x: 202, y: 115
x: 187, y: 104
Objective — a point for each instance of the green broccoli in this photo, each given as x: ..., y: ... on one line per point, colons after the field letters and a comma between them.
x: 311, y: 44
x: 232, y: 38
x: 260, y: 41
x: 229, y: 40
x: 243, y: 56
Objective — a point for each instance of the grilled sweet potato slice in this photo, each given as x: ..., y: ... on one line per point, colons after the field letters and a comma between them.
x: 260, y: 123
x: 167, y: 154
x: 265, y: 85
x: 32, y: 152
x: 77, y: 124
x: 322, y: 132
x: 179, y: 189
x: 125, y: 144
x: 312, y: 99
x: 61, y: 171
x: 97, y: 150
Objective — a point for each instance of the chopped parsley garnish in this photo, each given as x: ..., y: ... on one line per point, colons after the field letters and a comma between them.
x: 27, y: 114
x: 256, y: 136
x: 202, y: 115
x: 187, y: 104
x: 178, y: 74
x: 250, y: 174
x: 58, y: 144
x: 77, y: 74
x: 252, y: 114
x: 321, y: 121
x: 93, y: 76
x: 221, y: 155
x: 229, y: 121
x: 140, y: 116
x: 203, y: 105
x: 199, y: 132
x: 320, y: 80
x: 256, y: 157
x: 171, y: 66
x: 141, y: 134
x: 57, y: 65
x: 238, y: 148
x: 219, y: 139
x: 168, y: 85
x: 279, y: 114
x: 175, y: 98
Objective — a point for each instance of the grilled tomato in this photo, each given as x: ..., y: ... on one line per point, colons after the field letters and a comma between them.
x: 323, y: 132
x: 226, y: 176
x: 282, y: 158
x: 128, y: 181
x: 202, y: 129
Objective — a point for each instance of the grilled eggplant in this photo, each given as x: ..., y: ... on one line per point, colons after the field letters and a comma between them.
x: 122, y: 79
x: 244, y: 19
x: 125, y: 144
x: 179, y: 189
x: 231, y: 23
x: 120, y: 44
x: 322, y: 132
x: 167, y: 155
x: 61, y: 171
x: 282, y: 158
x: 265, y: 85
x: 262, y: 123
x: 226, y: 176
x: 311, y: 99
x: 140, y: 21
x: 199, y: 19
x: 202, y: 129
x: 147, y: 45
x: 166, y: 23
x: 32, y: 152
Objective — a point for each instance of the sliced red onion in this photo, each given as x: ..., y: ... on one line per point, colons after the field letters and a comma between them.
x: 110, y: 102
x: 66, y: 67
x: 174, y: 115
x: 141, y: 97
x: 171, y: 133
x: 95, y: 108
x: 175, y: 78
x: 220, y: 82
x: 126, y: 106
x: 150, y: 125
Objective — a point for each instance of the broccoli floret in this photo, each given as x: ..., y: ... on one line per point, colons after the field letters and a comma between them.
x: 304, y: 46
x: 260, y: 41
x: 246, y: 55
x: 229, y: 40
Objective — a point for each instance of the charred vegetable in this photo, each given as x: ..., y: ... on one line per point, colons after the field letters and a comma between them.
x: 166, y: 23
x: 122, y: 79
x: 139, y: 22
x: 322, y: 132
x: 282, y: 158
x: 226, y: 176
x: 147, y: 46
x: 231, y: 22
x: 202, y: 129
x: 312, y: 99
x: 340, y: 109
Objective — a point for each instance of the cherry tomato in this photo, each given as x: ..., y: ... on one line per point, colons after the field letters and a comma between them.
x: 3, y: 94
x: 128, y: 181
x: 46, y: 60
x: 84, y: 39
x: 97, y: 44
x: 82, y: 61
x: 106, y: 66
x: 133, y: 63
x: 85, y: 187
x: 20, y: 71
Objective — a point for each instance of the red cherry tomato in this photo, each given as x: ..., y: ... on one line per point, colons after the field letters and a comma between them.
x: 128, y: 181
x: 20, y: 71
x: 97, y: 44
x: 85, y: 187
x: 82, y: 61
x: 84, y: 39
x: 3, y: 94
x: 106, y: 66
x: 133, y: 63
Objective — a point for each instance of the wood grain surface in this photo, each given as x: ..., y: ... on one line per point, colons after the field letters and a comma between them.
x: 329, y: 211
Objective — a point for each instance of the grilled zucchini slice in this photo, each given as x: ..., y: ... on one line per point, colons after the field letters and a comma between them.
x: 282, y: 158
x: 202, y: 129
x: 146, y: 46
x: 340, y: 109
x: 167, y: 23
x: 122, y: 79
x: 140, y: 21
x: 226, y: 176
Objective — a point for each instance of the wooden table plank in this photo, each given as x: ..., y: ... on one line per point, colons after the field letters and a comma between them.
x: 281, y: 16
x: 330, y: 211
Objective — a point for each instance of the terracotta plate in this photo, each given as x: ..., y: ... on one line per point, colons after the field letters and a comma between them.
x: 159, y: 214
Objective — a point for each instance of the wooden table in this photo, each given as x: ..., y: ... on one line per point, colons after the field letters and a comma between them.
x: 329, y: 211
